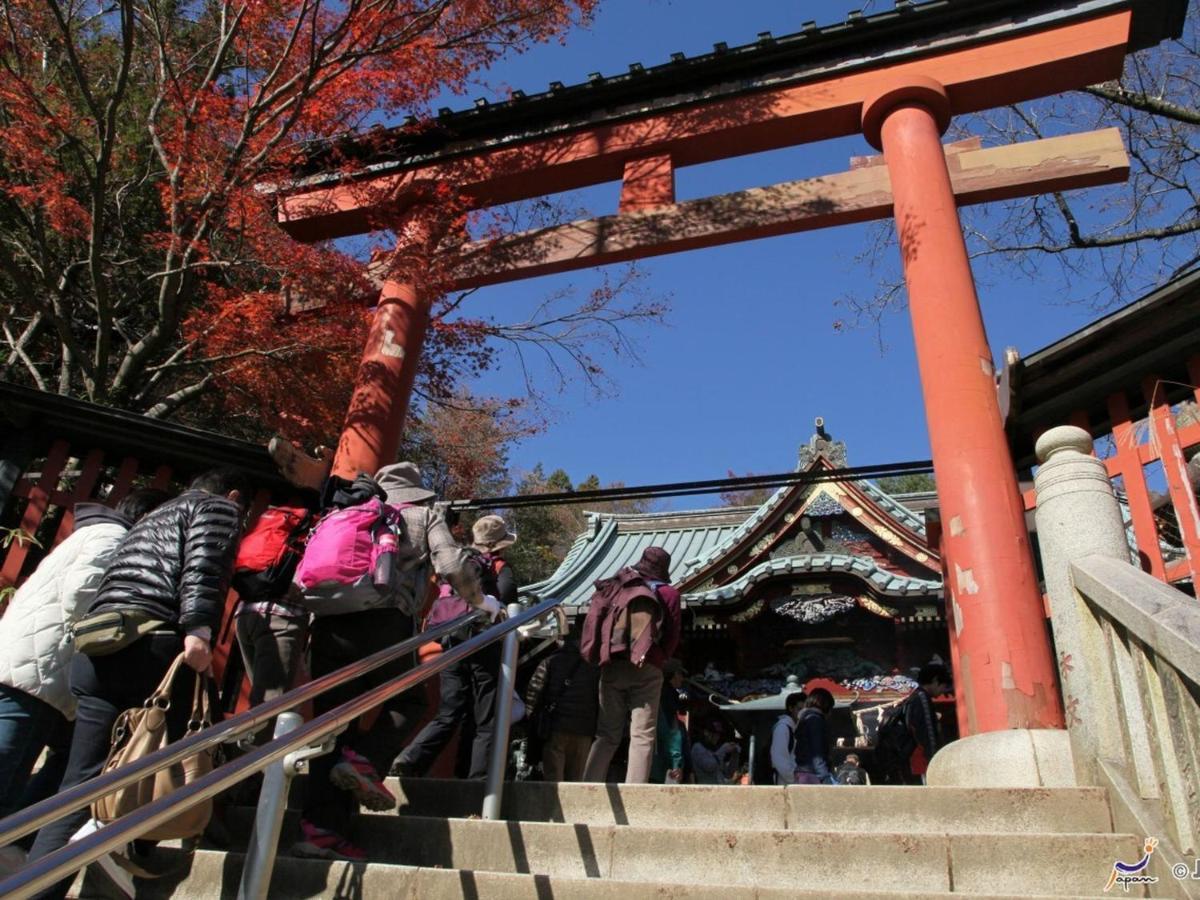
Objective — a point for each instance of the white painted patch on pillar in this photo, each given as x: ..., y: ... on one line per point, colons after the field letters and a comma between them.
x: 956, y: 527
x: 389, y: 347
x: 988, y: 369
x: 965, y: 579
x: 1006, y: 679
x: 956, y: 614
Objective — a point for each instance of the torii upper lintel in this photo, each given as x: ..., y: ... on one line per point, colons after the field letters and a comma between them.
x: 1006, y: 65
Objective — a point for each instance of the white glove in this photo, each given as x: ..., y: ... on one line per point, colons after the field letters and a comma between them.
x: 491, y: 606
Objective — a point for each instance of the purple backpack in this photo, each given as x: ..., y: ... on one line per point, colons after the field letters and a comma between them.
x: 449, y: 605
x: 337, y: 572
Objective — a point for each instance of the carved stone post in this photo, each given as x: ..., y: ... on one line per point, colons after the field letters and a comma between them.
x: 1078, y: 515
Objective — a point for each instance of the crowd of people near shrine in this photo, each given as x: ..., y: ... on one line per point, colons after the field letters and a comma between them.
x: 137, y: 594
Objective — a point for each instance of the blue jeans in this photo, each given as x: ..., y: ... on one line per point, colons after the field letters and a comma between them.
x: 25, y: 726
x: 106, y: 686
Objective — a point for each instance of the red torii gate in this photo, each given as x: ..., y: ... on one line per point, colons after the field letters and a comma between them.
x: 975, y: 57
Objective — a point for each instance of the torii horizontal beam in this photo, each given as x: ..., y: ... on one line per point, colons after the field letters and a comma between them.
x: 997, y: 69
x: 859, y: 195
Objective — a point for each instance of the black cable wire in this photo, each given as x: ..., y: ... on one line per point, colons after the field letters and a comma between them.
x: 687, y: 488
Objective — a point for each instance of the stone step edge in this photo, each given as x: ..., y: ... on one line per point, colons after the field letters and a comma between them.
x: 393, y: 781
x: 427, y: 881
x: 718, y: 829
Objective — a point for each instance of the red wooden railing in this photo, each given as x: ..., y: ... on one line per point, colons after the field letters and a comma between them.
x: 1137, y: 444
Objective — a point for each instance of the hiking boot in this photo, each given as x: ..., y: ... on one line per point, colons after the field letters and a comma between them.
x: 321, y: 843
x: 401, y: 769
x: 356, y: 775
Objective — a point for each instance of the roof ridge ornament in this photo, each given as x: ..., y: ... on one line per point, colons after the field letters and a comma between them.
x: 822, y: 445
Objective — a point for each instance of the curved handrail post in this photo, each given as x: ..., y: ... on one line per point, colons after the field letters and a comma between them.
x: 268, y: 820
x: 498, y: 765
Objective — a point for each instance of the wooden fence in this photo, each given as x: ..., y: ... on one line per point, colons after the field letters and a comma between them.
x: 56, y: 452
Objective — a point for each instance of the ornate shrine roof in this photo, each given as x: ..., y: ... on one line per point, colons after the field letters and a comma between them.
x: 711, y: 554
x: 880, y: 579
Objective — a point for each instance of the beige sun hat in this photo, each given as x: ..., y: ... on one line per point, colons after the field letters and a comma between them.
x: 490, y: 533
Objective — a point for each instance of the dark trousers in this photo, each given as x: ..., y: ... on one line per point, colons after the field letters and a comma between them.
x: 46, y: 780
x: 466, y: 685
x: 106, y: 686
x: 336, y: 642
x: 26, y: 726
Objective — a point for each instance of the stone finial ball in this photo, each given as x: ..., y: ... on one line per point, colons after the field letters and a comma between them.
x: 1063, y: 437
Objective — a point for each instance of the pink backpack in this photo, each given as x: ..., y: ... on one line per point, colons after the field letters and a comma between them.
x: 337, y: 574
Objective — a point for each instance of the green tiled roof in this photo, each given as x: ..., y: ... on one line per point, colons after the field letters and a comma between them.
x: 612, y: 541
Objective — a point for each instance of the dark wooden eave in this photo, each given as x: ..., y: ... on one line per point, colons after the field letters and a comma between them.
x: 1154, y: 335
x: 45, y: 417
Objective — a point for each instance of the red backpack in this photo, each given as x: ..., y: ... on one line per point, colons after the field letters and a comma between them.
x: 269, y: 552
x: 624, y: 619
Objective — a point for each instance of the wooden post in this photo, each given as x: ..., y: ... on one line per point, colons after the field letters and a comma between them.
x: 1006, y: 674
x: 1175, y: 468
x: 379, y: 406
x: 1129, y: 464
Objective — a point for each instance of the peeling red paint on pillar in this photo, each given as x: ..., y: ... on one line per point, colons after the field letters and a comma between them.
x: 378, y: 408
x: 1005, y: 671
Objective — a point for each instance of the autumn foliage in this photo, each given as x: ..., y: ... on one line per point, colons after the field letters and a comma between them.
x: 140, y: 262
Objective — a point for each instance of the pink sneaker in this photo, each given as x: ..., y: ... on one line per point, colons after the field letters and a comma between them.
x: 356, y: 775
x: 321, y: 843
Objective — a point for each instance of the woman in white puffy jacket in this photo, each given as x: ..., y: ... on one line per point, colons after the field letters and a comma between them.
x: 35, y: 649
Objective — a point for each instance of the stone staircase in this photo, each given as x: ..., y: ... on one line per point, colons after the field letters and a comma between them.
x: 734, y: 843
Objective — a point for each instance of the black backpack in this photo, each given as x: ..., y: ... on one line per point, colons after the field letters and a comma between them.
x: 894, y: 740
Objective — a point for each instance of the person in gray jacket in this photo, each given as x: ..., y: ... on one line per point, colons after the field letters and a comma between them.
x: 783, y: 739
x: 35, y: 650
x: 714, y: 759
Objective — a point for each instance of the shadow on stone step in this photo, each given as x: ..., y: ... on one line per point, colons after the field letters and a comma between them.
x: 296, y: 879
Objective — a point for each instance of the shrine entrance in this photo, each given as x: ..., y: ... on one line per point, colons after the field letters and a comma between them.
x: 896, y: 77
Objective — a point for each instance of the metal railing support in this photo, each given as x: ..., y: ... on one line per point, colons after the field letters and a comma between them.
x: 34, y: 817
x: 268, y: 821
x: 494, y: 790
x: 41, y: 873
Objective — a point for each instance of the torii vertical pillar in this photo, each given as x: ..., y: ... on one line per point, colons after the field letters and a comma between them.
x: 375, y: 419
x: 1005, y: 676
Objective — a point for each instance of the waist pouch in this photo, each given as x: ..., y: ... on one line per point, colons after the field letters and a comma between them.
x: 107, y: 631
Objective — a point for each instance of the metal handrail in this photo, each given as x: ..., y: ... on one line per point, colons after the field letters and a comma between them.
x: 68, y: 859
x: 34, y: 817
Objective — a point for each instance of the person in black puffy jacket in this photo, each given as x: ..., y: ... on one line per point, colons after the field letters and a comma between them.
x: 174, y: 565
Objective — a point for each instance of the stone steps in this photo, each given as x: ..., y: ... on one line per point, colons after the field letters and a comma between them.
x: 859, y: 809
x: 214, y: 876
x: 978, y: 862
x: 619, y: 842
x: 809, y: 808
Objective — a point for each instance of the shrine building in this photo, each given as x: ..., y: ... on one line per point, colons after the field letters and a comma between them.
x: 829, y: 578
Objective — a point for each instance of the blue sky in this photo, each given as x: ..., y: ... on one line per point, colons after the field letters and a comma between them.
x: 750, y: 354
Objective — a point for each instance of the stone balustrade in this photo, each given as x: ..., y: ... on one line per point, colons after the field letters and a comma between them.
x: 1128, y: 650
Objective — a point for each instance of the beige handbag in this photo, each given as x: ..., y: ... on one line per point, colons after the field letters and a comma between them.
x: 138, y: 733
